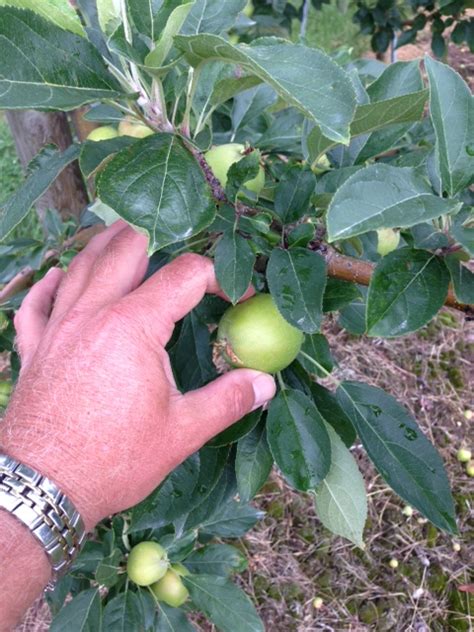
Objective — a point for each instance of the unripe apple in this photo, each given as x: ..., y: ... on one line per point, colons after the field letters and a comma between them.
x: 147, y: 563
x: 131, y: 127
x: 5, y: 391
x: 171, y: 590
x: 103, y: 133
x: 221, y: 157
x: 470, y: 469
x: 388, y: 240
x: 464, y: 455
x: 254, y: 335
x: 248, y: 9
x: 322, y: 165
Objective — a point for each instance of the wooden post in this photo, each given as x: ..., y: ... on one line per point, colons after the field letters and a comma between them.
x: 31, y: 131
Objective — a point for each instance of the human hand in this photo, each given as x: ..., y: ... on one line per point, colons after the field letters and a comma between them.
x: 96, y: 408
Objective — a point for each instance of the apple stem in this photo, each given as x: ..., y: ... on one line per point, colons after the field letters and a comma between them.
x: 280, y: 381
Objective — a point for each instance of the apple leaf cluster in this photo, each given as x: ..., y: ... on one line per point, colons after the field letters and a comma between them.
x: 280, y: 162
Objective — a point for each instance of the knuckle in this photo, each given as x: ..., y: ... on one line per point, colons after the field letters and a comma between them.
x: 239, y: 399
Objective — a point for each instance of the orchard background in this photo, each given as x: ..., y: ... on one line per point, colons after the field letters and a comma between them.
x: 411, y: 575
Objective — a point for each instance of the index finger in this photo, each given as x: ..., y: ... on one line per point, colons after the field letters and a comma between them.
x: 172, y: 292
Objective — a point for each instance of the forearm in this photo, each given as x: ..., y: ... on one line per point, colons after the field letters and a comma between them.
x: 24, y: 570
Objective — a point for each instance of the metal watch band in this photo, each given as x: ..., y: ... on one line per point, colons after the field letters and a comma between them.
x: 41, y: 506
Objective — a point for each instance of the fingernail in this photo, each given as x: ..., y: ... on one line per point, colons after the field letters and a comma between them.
x: 264, y: 389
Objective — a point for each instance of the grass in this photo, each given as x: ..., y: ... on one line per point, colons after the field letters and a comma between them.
x: 332, y: 28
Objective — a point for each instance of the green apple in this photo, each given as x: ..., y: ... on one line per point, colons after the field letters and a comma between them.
x: 464, y: 455
x: 387, y: 241
x: 233, y: 39
x: 470, y: 469
x: 131, y: 127
x: 322, y: 165
x: 5, y: 391
x: 171, y: 590
x: 147, y: 563
x: 254, y: 335
x: 248, y: 9
x: 103, y: 133
x: 221, y: 157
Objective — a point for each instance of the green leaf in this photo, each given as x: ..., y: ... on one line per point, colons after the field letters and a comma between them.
x: 157, y: 56
x: 372, y: 117
x: 191, y: 355
x: 60, y: 12
x: 298, y: 439
x: 93, y: 153
x: 234, y: 261
x: 316, y: 346
x: 296, y: 279
x: 341, y: 500
x: 406, y: 290
x: 382, y: 196
x: 48, y: 165
x: 216, y: 559
x: 212, y: 16
x: 226, y: 605
x: 253, y: 462
x: 303, y: 77
x: 338, y: 294
x: 56, y: 70
x: 172, y: 620
x: 463, y: 229
x: 241, y: 172
x: 224, y: 491
x: 109, y: 15
x: 231, y: 520
x: 293, y: 193
x: 82, y: 614
x: 157, y: 185
x: 107, y: 570
x: 238, y: 430
x: 400, y: 452
x: 462, y: 279
x: 332, y: 413
x: 183, y: 490
x: 123, y: 613
x: 452, y: 114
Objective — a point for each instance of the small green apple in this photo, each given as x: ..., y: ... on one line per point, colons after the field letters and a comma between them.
x: 464, y: 455
x: 103, y: 133
x: 322, y: 165
x: 248, y: 9
x: 254, y: 335
x: 221, y: 157
x: 388, y: 240
x: 171, y: 590
x: 5, y: 392
x: 147, y: 563
x: 131, y: 127
x: 470, y: 469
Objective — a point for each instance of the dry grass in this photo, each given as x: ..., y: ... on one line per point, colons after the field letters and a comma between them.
x: 293, y: 559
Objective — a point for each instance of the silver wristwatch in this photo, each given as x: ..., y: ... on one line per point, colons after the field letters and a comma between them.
x: 41, y: 506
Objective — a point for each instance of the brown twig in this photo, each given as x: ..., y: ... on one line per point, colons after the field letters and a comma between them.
x: 24, y: 278
x: 358, y: 271
x: 339, y: 267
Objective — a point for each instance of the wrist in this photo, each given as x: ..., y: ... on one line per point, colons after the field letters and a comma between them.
x: 30, y: 443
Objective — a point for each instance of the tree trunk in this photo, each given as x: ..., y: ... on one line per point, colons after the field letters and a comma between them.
x: 31, y: 131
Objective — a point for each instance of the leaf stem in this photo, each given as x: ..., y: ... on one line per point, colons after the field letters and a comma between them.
x: 193, y: 79
x: 320, y: 367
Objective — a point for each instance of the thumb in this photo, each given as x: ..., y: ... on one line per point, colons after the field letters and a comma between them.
x: 227, y: 399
